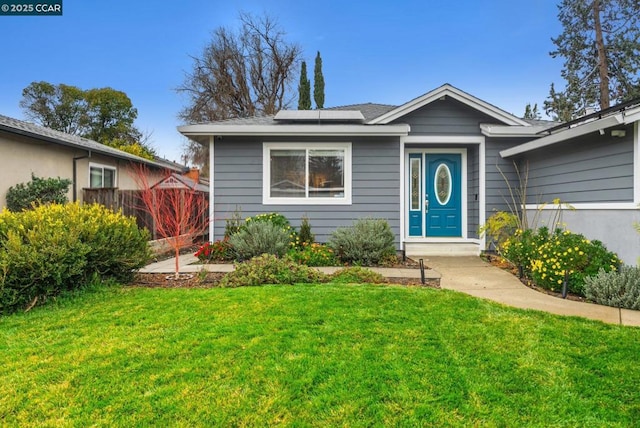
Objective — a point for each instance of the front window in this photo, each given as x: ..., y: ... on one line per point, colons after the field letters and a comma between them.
x: 311, y: 174
x: 101, y: 176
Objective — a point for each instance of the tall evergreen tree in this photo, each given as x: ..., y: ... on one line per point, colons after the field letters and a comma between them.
x: 304, y: 89
x: 531, y: 112
x: 318, y: 83
x: 600, y: 44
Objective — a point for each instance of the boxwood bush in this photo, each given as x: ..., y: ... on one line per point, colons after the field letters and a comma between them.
x: 54, y: 248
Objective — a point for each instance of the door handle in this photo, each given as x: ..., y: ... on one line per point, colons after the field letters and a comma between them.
x: 426, y: 204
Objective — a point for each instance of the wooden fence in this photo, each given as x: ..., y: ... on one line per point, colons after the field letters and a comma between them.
x: 130, y: 202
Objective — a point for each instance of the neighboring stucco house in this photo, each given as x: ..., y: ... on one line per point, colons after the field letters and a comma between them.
x: 433, y: 167
x: 30, y: 149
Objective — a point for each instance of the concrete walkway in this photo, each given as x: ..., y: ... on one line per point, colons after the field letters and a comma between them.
x: 470, y: 275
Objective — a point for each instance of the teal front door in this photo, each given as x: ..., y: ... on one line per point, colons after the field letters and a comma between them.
x: 435, y: 195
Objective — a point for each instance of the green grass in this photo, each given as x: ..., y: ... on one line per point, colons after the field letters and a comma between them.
x: 322, y: 355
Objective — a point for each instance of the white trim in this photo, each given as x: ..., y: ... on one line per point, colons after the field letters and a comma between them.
x: 491, y: 130
x: 444, y: 139
x: 577, y: 131
x: 221, y: 129
x: 447, y: 90
x: 632, y: 115
x: 482, y: 182
x: 103, y: 167
x: 266, y: 173
x: 463, y: 186
x: 585, y: 206
x: 212, y: 186
x: 636, y: 163
x: 403, y: 165
x: 443, y: 240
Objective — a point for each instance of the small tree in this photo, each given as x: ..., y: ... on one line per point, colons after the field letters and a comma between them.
x: 318, y: 83
x: 179, y: 213
x: 38, y: 191
x: 304, y: 89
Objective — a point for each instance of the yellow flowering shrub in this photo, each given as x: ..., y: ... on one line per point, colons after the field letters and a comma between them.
x: 546, y: 258
x: 56, y: 247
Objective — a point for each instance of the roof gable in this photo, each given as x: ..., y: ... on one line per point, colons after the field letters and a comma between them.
x: 447, y: 90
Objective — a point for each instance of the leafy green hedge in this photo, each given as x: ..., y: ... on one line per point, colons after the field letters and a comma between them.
x: 54, y: 248
x: 38, y: 191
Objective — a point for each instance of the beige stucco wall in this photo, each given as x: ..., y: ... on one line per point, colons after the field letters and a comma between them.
x: 21, y: 156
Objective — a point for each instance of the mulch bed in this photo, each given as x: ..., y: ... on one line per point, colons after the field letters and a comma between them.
x: 211, y: 280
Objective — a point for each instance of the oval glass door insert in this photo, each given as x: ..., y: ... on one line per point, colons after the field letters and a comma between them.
x: 442, y: 184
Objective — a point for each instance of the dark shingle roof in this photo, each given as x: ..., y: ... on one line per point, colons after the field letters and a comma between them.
x: 16, y: 126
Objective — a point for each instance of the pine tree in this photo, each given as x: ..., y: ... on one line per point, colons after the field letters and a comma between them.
x: 599, y: 44
x: 318, y: 83
x: 532, y: 113
x: 304, y: 89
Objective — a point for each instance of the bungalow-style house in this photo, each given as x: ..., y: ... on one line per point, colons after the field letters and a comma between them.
x: 30, y: 149
x: 434, y: 167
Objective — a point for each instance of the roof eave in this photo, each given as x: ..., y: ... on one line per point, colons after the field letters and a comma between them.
x: 503, y: 131
x: 587, y: 128
x: 208, y: 130
x: 124, y: 156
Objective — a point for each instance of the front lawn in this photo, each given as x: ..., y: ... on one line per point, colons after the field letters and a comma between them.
x: 319, y: 355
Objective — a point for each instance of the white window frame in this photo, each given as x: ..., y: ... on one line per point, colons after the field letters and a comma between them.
x: 266, y: 174
x: 103, y: 167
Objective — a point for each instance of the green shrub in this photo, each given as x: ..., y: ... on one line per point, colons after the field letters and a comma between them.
x: 547, y: 257
x: 313, y: 255
x: 37, y: 192
x: 366, y: 243
x: 620, y: 289
x: 233, y: 224
x: 54, y: 248
x: 277, y: 220
x: 305, y: 235
x: 260, y: 237
x: 118, y: 246
x: 269, y: 269
x: 523, y: 247
x: 357, y: 275
x: 219, y: 251
x: 499, y: 227
x: 571, y: 253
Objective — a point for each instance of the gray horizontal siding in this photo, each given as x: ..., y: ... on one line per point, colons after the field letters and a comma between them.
x: 500, y: 174
x: 446, y: 117
x: 597, y: 168
x: 375, y: 185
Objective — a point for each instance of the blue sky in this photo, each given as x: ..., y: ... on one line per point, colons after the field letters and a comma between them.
x: 373, y: 51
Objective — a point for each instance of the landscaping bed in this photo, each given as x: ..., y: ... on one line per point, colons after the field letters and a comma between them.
x: 212, y: 279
